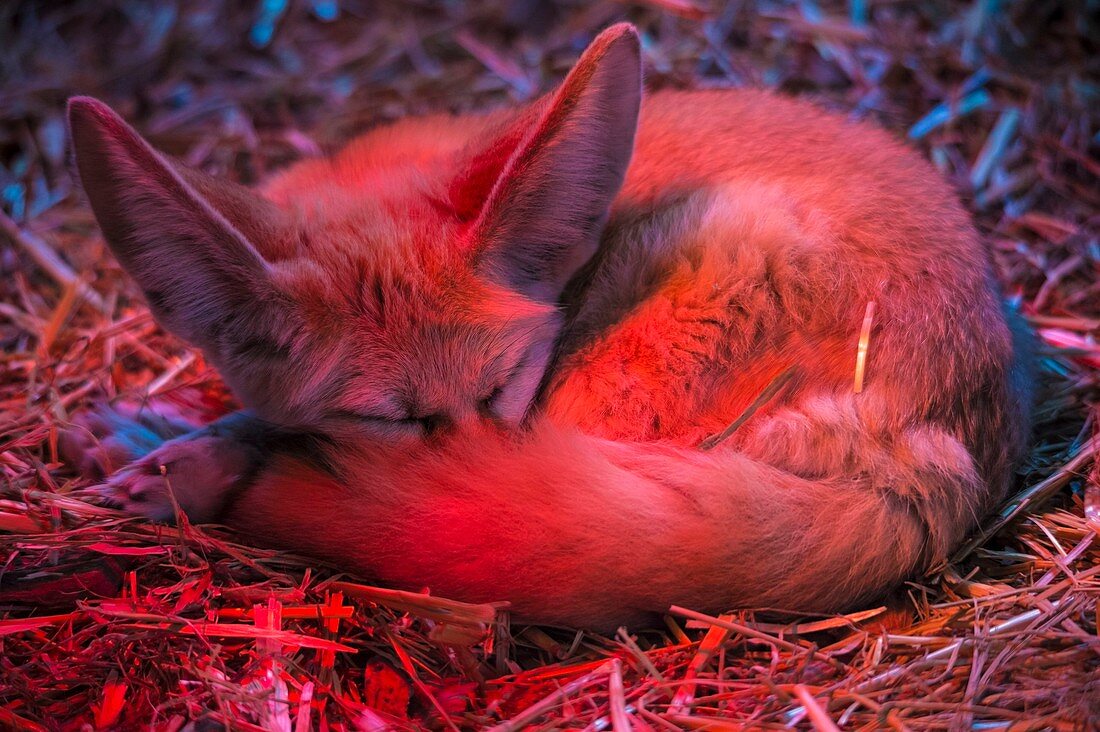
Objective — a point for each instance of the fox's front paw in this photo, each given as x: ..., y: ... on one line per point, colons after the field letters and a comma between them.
x: 195, y: 475
x: 103, y: 439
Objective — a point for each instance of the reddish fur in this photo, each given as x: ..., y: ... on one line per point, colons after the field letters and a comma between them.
x: 408, y: 275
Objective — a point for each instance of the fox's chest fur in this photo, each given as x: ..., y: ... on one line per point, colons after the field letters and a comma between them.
x: 515, y: 331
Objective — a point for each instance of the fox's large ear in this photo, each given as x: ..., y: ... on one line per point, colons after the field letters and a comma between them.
x: 182, y: 235
x: 544, y: 215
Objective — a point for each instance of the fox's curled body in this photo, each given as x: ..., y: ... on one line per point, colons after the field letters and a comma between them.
x: 746, y: 236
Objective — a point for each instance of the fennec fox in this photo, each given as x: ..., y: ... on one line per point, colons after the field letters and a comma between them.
x: 480, y: 353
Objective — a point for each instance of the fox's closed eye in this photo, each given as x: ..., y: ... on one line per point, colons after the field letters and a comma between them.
x: 389, y: 422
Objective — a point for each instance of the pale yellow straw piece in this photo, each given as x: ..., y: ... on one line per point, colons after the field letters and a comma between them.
x: 864, y: 340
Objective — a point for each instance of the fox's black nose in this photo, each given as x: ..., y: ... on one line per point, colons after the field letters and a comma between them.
x: 445, y: 422
x: 437, y: 424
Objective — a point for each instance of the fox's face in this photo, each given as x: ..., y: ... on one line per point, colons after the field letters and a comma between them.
x: 390, y: 329
x: 408, y: 309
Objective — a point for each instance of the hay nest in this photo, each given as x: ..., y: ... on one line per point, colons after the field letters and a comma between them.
x: 110, y: 623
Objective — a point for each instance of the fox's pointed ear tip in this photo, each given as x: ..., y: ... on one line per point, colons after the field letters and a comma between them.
x: 619, y: 39
x: 83, y: 108
x: 82, y: 104
x: 620, y: 32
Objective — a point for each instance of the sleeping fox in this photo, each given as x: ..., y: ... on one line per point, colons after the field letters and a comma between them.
x: 593, y: 356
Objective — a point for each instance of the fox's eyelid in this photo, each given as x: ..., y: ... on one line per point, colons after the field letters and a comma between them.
x: 379, y: 418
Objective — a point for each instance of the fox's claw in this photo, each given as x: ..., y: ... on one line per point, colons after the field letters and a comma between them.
x: 194, y: 474
x: 143, y: 495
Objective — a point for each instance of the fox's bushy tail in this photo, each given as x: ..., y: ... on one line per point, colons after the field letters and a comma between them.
x: 583, y: 531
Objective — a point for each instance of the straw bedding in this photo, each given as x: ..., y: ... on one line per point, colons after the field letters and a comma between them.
x: 110, y: 623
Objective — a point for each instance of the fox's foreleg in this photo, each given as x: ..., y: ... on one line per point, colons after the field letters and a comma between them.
x: 103, y: 439
x: 196, y: 473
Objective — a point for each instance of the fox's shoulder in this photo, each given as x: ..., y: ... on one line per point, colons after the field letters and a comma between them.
x: 389, y: 154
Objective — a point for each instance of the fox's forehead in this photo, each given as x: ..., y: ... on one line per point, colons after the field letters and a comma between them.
x: 398, y: 270
x: 433, y: 306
